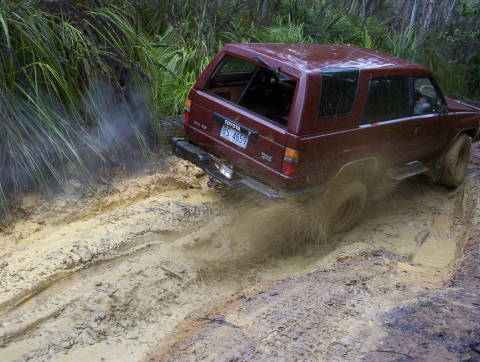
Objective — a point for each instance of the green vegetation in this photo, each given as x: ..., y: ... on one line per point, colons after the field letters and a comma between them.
x: 85, y: 84
x: 62, y: 67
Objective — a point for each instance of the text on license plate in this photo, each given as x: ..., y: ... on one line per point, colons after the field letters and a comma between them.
x: 233, y: 136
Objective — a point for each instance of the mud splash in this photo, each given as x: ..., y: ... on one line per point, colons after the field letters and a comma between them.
x: 398, y: 302
x: 110, y: 273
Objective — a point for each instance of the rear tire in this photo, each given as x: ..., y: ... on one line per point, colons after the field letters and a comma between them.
x: 455, y: 162
x: 344, y: 204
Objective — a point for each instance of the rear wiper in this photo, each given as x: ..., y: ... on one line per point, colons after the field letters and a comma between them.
x: 268, y: 66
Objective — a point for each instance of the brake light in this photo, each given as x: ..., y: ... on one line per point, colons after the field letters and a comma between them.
x: 186, y: 115
x: 290, y: 161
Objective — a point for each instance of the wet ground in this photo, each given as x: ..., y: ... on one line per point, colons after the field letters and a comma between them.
x: 368, y: 308
x: 109, y: 274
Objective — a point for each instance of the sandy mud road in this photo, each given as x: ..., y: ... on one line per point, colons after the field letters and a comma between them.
x: 362, y: 309
x: 108, y: 275
x: 375, y: 305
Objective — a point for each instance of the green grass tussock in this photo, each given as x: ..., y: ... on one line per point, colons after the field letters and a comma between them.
x: 84, y: 84
x: 54, y: 58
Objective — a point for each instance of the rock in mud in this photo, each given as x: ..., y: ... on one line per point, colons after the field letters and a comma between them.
x: 421, y: 237
x: 69, y: 263
x: 86, y: 256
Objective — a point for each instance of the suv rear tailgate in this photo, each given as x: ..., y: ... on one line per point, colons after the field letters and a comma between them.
x: 266, y: 140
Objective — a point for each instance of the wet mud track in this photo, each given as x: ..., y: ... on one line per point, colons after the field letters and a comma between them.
x: 358, y: 310
x: 110, y: 274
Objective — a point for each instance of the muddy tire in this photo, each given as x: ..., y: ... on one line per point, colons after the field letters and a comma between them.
x: 455, y: 162
x: 344, y: 204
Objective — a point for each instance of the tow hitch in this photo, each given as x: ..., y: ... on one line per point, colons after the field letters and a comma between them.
x: 219, y: 176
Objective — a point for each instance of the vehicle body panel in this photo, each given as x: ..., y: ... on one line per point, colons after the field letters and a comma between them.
x: 325, y: 145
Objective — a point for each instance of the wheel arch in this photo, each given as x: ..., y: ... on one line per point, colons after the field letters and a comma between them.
x: 472, y: 132
x: 362, y: 169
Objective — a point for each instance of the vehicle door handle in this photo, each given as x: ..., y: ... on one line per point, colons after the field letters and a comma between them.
x: 418, y: 127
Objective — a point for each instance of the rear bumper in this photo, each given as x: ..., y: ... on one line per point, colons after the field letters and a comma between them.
x: 194, y: 154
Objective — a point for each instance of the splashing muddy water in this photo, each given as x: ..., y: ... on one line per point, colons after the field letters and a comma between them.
x: 109, y: 274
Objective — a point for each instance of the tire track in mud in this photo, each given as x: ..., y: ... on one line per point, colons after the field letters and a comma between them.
x: 150, y: 208
x: 373, y: 306
x: 163, y: 248
x: 82, y: 255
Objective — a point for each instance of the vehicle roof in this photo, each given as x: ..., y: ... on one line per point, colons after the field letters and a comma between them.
x: 315, y: 57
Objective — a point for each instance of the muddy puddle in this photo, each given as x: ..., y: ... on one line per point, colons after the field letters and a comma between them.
x: 107, y: 274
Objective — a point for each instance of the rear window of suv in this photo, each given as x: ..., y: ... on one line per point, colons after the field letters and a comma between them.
x: 264, y: 91
x: 338, y: 91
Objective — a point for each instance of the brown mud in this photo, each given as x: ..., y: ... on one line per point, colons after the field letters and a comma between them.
x: 109, y: 274
x: 409, y: 303
x: 362, y: 309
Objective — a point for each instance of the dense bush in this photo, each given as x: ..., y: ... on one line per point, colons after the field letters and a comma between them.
x: 85, y: 84
x: 66, y: 93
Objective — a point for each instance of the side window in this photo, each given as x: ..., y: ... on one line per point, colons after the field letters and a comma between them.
x: 338, y: 91
x: 235, y: 65
x: 426, y: 97
x: 387, y: 99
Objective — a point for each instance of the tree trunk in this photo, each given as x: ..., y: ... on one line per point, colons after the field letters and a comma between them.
x: 262, y: 8
x: 449, y: 13
x: 413, y: 14
x: 428, y: 15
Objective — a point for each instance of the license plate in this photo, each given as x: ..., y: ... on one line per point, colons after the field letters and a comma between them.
x: 233, y: 136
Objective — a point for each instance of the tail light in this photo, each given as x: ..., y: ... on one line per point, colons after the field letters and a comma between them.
x: 290, y: 162
x: 186, y: 115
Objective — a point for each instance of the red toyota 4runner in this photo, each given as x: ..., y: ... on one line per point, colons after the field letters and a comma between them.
x: 288, y: 118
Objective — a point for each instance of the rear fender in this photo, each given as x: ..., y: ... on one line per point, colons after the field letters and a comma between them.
x: 363, y: 169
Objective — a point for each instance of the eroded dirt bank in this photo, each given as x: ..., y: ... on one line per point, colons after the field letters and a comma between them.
x: 108, y: 274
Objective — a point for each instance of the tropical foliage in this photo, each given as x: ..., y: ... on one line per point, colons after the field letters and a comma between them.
x: 86, y: 84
